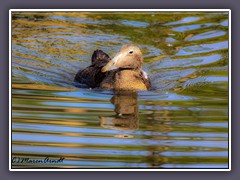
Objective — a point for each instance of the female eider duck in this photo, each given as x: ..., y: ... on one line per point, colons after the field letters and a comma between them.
x: 123, y: 72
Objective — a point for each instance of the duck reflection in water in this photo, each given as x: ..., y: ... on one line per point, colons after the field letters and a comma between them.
x: 126, y: 109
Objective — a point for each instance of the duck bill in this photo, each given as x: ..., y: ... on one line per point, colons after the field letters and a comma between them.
x: 111, y: 65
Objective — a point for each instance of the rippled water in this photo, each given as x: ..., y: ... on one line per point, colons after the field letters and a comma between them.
x: 181, y: 123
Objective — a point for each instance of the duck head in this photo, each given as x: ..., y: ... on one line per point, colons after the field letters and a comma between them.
x: 129, y: 57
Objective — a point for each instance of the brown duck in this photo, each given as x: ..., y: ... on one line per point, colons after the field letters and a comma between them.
x: 123, y: 72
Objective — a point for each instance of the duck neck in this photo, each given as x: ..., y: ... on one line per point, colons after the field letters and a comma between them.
x: 129, y: 72
x: 136, y: 69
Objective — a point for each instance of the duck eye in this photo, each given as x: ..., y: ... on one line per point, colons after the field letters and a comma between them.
x: 130, y: 52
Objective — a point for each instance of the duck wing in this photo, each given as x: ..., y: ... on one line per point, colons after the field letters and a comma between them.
x: 92, y: 75
x: 99, y: 55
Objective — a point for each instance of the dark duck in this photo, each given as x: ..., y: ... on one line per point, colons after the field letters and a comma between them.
x: 123, y: 72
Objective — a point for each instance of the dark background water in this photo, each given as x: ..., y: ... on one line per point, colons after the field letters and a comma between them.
x: 181, y: 123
